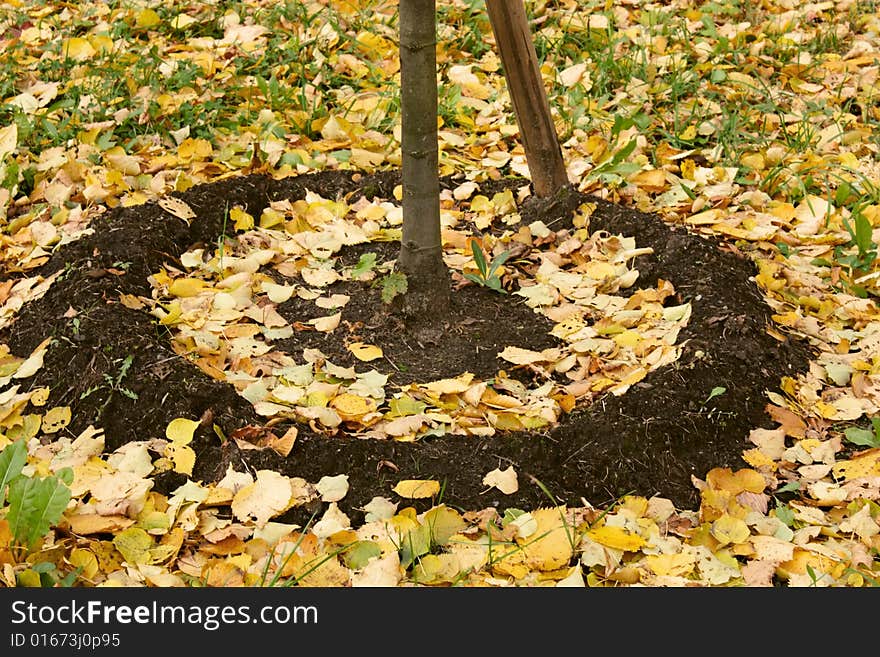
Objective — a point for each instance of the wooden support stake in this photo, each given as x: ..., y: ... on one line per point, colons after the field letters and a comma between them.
x: 537, y: 131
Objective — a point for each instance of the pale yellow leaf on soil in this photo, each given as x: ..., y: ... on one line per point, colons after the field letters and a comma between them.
x: 181, y: 430
x: 450, y: 386
x: 326, y: 324
x: 417, y: 488
x: 504, y: 480
x: 267, y: 497
x: 332, y: 489
x: 56, y: 419
x: 519, y: 356
x: 177, y: 207
x: 365, y: 352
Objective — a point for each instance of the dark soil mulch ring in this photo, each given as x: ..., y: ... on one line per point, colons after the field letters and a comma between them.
x: 649, y: 441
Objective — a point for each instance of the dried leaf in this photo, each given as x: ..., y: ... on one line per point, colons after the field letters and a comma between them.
x: 417, y: 488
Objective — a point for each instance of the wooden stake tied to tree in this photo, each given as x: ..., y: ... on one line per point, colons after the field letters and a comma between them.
x: 526, y: 86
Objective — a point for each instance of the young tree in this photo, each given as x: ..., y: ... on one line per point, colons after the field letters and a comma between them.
x: 421, y: 252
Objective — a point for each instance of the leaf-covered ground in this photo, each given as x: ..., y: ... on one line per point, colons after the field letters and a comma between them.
x: 750, y: 122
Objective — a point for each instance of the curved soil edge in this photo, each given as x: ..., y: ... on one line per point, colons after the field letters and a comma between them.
x: 651, y: 440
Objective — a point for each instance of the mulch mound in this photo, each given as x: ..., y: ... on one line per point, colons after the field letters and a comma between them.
x: 651, y: 440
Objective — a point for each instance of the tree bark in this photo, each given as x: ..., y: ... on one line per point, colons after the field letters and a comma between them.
x: 523, y: 74
x: 421, y: 251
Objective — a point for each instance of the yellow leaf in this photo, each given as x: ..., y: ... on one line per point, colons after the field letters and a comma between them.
x: 326, y: 324
x: 91, y: 523
x: 40, y: 396
x: 85, y: 559
x: 131, y: 301
x: 134, y: 544
x: 351, y: 407
x: 736, y: 482
x: 417, y: 488
x: 197, y: 149
x: 652, y: 180
x: 449, y: 386
x: 77, y: 48
x: 178, y: 208
x: 675, y: 565
x: 147, y: 18
x: 33, y: 362
x: 689, y: 133
x: 865, y: 465
x: 8, y: 140
x: 519, y: 356
x: 182, y: 21
x: 627, y: 339
x: 278, y: 293
x: 182, y: 456
x: 617, y: 538
x: 269, y: 496
x: 549, y: 546
x: 186, y: 287
x: 243, y: 220
x: 56, y: 419
x: 172, y: 314
x: 728, y: 529
x: 271, y: 218
x: 181, y: 430
x: 599, y: 270
x: 365, y: 352
x: 758, y: 459
x: 102, y: 43
x: 503, y: 480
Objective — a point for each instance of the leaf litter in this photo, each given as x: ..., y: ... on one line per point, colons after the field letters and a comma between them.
x: 773, y: 152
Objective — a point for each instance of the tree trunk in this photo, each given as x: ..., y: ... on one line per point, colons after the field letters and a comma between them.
x: 537, y: 131
x: 421, y: 251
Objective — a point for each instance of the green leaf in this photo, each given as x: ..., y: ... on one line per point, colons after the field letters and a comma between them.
x: 864, y: 437
x: 359, y: 554
x: 392, y: 285
x: 365, y: 264
x: 499, y: 260
x: 785, y: 514
x: 789, y: 487
x: 34, y: 506
x: 12, y: 460
x: 444, y: 523
x: 863, y: 234
x: 495, y: 283
x: 479, y: 258
x: 415, y: 543
x: 718, y: 390
x: 625, y: 152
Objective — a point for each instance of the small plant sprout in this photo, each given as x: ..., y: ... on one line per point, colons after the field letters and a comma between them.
x: 717, y: 390
x: 488, y: 272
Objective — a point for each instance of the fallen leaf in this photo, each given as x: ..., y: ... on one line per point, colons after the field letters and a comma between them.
x: 269, y: 496
x: 332, y: 489
x: 365, y: 352
x: 56, y: 419
x: 503, y: 480
x: 417, y: 488
x: 181, y: 430
x: 178, y: 208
